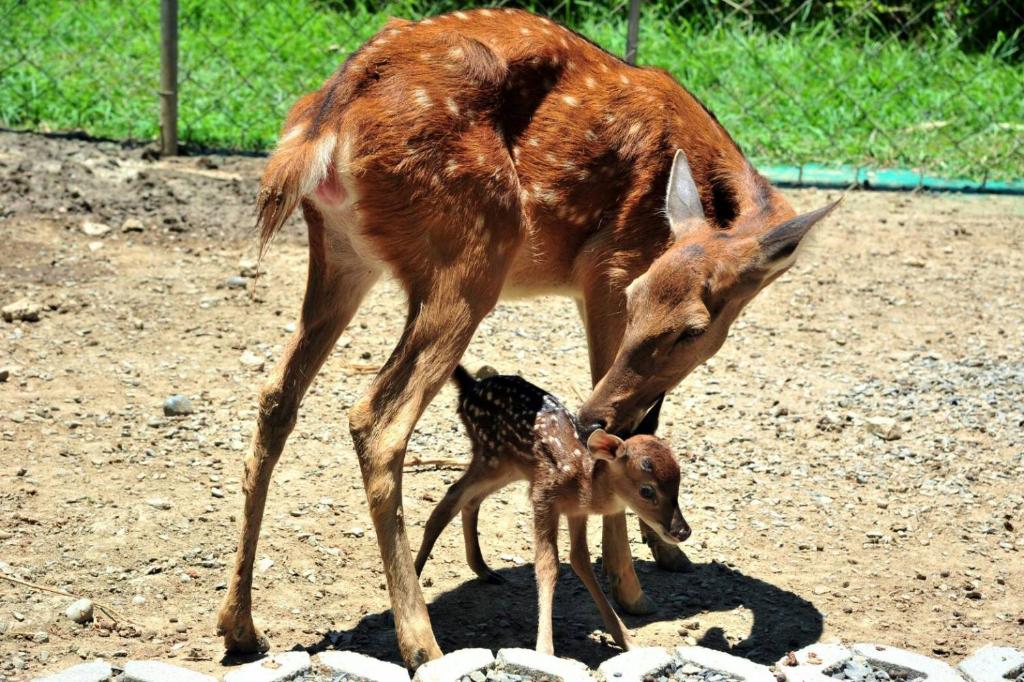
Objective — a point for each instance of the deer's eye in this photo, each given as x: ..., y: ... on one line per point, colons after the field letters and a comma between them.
x: 689, y: 334
x: 647, y: 492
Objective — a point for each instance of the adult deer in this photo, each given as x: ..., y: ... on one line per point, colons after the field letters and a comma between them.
x: 494, y: 152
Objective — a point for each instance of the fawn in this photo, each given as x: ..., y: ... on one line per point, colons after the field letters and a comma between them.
x: 491, y: 153
x: 521, y: 432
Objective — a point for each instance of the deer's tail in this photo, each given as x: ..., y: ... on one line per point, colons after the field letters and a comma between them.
x: 298, y: 167
x: 464, y: 381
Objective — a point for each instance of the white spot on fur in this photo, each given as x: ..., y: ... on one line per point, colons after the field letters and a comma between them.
x: 452, y: 106
x: 456, y: 52
x: 624, y: 79
x: 591, y: 82
x: 570, y: 100
x: 479, y: 225
x: 421, y: 97
x: 427, y: 21
x: 462, y: 16
x: 486, y: 12
x: 525, y: 31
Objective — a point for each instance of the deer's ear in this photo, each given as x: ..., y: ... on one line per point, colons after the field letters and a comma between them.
x: 780, y: 243
x: 603, y: 445
x: 682, y: 202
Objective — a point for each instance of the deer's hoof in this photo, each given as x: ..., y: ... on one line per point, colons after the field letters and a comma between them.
x: 640, y: 606
x: 243, y: 638
x: 671, y: 558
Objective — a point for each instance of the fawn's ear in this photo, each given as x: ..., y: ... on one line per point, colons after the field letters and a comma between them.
x: 782, y: 241
x: 603, y: 445
x: 682, y: 201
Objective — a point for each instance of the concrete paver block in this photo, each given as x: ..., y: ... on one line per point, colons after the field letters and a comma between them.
x: 95, y: 671
x: 530, y: 662
x: 748, y: 671
x: 900, y: 659
x: 635, y: 665
x: 451, y: 667
x: 351, y: 666
x: 993, y: 664
x: 157, y: 671
x: 276, y: 668
x: 812, y: 661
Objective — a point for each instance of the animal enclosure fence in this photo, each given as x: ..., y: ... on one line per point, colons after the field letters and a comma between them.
x: 845, y: 91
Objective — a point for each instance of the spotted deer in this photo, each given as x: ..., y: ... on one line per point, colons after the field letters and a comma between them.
x: 520, y: 432
x: 494, y: 153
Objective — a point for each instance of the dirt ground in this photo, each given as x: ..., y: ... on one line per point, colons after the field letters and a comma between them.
x: 807, y: 525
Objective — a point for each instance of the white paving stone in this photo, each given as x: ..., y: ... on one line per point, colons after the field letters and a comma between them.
x: 356, y: 667
x: 451, y: 667
x: 882, y: 656
x: 746, y: 670
x: 812, y: 662
x: 96, y: 671
x: 157, y: 671
x: 276, y: 668
x: 633, y: 666
x: 527, y: 661
x: 993, y: 664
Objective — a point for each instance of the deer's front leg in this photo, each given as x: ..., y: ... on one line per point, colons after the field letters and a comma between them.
x: 545, y: 565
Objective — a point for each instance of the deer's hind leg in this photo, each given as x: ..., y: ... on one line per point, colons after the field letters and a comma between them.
x: 337, y: 281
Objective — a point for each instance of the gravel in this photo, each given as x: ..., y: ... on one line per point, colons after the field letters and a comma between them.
x: 860, y: 669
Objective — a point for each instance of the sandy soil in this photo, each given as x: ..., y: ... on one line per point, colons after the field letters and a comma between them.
x: 807, y: 524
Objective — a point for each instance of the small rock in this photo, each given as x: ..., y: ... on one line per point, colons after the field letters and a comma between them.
x: 264, y: 564
x: 248, y: 267
x: 158, y: 503
x: 22, y: 310
x: 5, y: 374
x: 252, y: 361
x: 94, y: 229
x: 132, y: 225
x: 885, y: 428
x: 80, y: 612
x: 217, y: 492
x: 177, y: 406
x: 356, y: 532
x: 237, y: 282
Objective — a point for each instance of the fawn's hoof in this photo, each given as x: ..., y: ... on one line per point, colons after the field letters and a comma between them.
x: 639, y: 606
x: 670, y: 558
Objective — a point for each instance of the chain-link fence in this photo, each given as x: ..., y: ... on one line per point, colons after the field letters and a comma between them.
x: 934, y: 86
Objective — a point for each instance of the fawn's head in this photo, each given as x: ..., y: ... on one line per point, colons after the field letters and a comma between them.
x: 678, y: 312
x: 644, y: 474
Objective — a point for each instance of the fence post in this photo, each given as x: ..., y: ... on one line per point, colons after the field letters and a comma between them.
x: 633, y: 31
x: 168, y: 77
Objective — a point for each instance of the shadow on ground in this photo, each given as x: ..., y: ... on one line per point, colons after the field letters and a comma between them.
x: 477, y: 614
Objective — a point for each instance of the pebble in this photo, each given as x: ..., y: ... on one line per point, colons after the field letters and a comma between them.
x: 80, y: 611
x: 248, y: 267
x: 5, y: 374
x: 132, y: 225
x: 885, y: 428
x: 158, y: 503
x: 22, y: 310
x: 177, y: 406
x: 237, y: 282
x: 94, y: 229
x: 252, y: 361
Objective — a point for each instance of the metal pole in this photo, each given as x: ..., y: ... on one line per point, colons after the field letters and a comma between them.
x: 168, y: 77
x: 633, y: 31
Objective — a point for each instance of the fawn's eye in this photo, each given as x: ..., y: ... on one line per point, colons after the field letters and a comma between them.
x: 647, y: 492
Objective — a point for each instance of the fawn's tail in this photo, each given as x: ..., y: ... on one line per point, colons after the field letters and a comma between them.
x: 464, y: 381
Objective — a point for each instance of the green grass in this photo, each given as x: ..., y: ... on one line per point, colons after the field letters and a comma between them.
x: 808, y: 94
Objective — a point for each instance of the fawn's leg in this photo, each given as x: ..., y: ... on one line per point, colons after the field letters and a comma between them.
x: 336, y: 283
x: 470, y: 517
x: 603, y: 313
x: 479, y: 480
x: 579, y: 557
x: 545, y: 566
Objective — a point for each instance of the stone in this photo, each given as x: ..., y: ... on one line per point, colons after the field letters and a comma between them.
x: 891, y: 657
x: 94, y: 229
x: 810, y: 663
x: 635, y: 665
x: 159, y: 503
x: 535, y: 664
x: 177, y: 406
x: 454, y: 666
x: 132, y: 225
x: 80, y: 611
x: 349, y: 666
x: 96, y: 671
x: 248, y: 267
x: 725, y: 663
x: 252, y: 361
x: 885, y: 428
x: 157, y: 671
x: 993, y: 664
x: 276, y: 668
x: 237, y: 282
x: 5, y: 374
x: 22, y: 310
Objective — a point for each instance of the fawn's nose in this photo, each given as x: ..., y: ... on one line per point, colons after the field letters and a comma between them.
x: 680, y: 529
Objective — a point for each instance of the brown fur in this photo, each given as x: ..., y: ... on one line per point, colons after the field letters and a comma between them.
x: 491, y: 152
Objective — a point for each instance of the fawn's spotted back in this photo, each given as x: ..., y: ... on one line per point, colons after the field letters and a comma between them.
x: 506, y: 415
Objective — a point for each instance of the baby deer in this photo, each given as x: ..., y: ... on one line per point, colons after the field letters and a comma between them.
x: 521, y: 432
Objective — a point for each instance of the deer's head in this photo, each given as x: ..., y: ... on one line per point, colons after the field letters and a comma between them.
x: 679, y: 312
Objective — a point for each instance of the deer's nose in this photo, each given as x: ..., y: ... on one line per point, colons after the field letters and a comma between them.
x: 589, y: 428
x: 680, y: 529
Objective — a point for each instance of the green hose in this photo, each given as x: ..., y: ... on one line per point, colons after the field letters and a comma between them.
x: 898, y: 179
